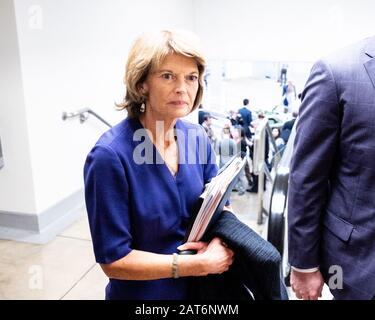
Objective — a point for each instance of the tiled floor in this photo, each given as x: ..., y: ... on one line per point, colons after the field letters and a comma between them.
x: 65, y: 268
x: 50, y: 271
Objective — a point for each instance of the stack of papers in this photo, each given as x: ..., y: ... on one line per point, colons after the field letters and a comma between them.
x: 214, y: 197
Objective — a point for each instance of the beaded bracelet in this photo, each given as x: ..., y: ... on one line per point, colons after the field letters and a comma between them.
x: 175, y: 266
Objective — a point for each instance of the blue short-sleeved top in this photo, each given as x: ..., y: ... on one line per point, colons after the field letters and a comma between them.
x: 134, y: 202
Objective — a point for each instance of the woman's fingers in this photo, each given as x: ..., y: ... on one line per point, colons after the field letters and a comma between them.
x: 219, y: 257
x: 216, y: 241
x: 192, y: 246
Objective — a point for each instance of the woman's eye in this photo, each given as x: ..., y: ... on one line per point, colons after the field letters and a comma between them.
x: 167, y: 76
x: 192, y: 78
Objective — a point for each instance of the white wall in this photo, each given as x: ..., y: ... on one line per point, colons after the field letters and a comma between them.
x: 64, y: 55
x: 73, y: 56
x: 244, y: 36
x: 16, y: 184
x: 291, y: 30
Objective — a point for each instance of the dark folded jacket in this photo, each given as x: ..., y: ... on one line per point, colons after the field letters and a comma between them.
x: 256, y: 266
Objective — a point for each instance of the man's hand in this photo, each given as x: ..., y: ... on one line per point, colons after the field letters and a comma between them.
x: 307, y: 286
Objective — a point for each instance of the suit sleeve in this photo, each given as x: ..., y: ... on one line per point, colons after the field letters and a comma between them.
x: 313, y: 159
x: 107, y: 203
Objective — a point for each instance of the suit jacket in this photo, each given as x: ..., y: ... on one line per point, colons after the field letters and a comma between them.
x: 256, y: 266
x: 246, y: 119
x: 246, y: 116
x: 332, y: 181
x: 287, y: 129
x: 201, y: 115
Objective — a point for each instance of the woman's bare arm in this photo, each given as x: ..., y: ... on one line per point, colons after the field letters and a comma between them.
x: 141, y: 265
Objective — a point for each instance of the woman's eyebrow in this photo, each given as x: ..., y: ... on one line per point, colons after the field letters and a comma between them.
x: 164, y: 70
x: 170, y: 71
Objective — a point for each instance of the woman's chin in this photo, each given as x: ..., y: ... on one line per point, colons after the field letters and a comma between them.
x: 183, y: 112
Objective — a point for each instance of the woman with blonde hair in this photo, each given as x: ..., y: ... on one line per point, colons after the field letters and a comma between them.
x: 144, y: 176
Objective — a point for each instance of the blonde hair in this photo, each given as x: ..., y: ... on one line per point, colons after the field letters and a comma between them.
x: 147, y: 53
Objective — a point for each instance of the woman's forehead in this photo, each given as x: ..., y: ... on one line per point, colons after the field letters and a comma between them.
x: 175, y: 61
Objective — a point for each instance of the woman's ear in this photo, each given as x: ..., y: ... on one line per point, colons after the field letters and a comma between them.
x: 143, y: 88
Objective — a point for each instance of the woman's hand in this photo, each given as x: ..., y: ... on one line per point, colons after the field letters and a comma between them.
x: 212, y: 258
x: 199, y: 246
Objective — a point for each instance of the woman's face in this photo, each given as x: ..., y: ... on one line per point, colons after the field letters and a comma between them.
x: 275, y: 132
x: 172, y: 88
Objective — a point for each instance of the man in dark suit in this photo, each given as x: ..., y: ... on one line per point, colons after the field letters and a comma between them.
x: 287, y: 127
x: 331, y: 207
x: 246, y: 117
x: 201, y: 114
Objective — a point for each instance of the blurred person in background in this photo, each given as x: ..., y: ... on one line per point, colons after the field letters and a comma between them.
x: 289, y: 96
x: 226, y: 148
x: 246, y: 116
x: 207, y: 125
x: 287, y: 127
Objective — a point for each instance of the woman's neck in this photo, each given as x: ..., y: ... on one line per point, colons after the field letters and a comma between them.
x: 162, y: 130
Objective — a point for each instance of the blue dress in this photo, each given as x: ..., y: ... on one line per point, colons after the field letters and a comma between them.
x: 134, y: 202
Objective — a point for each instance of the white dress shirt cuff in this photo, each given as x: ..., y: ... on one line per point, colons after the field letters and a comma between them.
x: 305, y: 270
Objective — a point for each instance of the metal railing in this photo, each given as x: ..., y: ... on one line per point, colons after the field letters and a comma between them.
x: 262, y: 133
x: 83, y: 115
x: 277, y: 232
x: 279, y: 196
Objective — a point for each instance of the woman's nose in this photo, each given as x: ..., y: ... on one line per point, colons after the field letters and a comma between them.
x: 180, y: 85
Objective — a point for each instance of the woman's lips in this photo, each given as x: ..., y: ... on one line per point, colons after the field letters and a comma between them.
x: 178, y: 103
